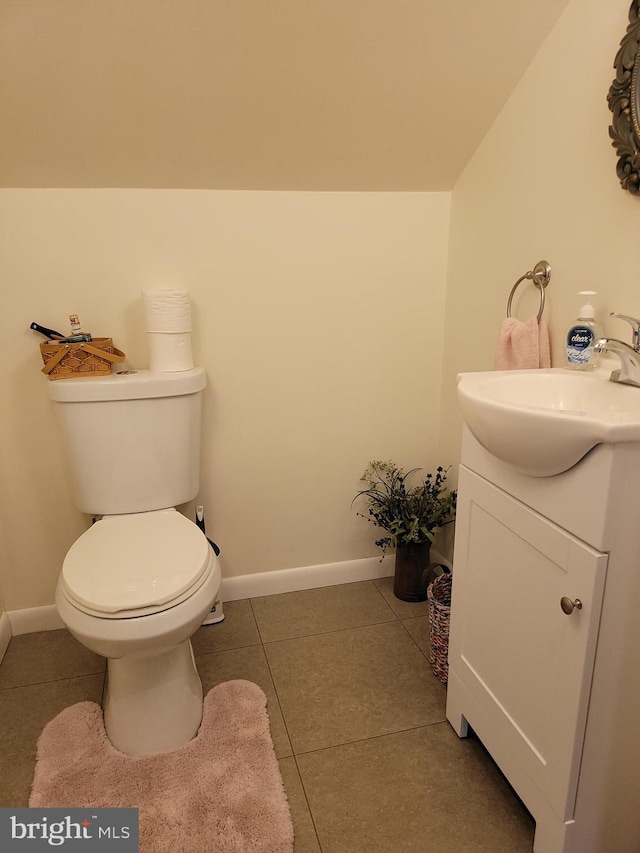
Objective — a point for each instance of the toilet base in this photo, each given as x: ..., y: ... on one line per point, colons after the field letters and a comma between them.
x: 153, y: 701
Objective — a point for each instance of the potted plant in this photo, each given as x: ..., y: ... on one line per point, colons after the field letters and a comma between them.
x: 411, y: 515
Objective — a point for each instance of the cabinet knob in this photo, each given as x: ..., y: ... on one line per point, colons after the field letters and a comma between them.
x: 568, y: 605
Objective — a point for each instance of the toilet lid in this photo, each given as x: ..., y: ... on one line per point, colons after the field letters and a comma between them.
x: 132, y: 562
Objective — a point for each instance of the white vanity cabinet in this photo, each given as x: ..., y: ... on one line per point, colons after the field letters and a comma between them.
x: 546, y: 690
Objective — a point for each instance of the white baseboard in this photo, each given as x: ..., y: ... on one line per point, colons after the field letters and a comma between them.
x: 33, y: 619
x: 233, y: 589
x: 5, y: 633
x: 305, y: 577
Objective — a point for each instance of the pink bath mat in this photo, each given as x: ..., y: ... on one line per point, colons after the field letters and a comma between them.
x: 221, y: 792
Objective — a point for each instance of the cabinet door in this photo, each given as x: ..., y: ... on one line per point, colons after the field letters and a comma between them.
x: 524, y: 665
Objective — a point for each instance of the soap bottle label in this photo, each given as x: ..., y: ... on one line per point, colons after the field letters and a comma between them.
x: 580, y: 344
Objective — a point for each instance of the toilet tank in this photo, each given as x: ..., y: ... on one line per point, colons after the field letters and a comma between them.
x: 132, y: 439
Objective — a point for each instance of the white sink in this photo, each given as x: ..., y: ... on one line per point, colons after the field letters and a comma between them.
x: 543, y: 422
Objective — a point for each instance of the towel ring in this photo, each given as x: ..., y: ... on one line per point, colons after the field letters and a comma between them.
x: 540, y: 276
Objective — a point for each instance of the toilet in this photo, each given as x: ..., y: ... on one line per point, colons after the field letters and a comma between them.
x: 139, y: 582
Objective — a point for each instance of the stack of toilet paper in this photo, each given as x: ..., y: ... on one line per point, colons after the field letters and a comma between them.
x: 167, y: 318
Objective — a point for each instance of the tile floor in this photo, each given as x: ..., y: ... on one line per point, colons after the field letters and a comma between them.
x: 358, y: 721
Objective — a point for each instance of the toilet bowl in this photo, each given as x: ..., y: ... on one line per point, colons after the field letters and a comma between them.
x: 134, y: 588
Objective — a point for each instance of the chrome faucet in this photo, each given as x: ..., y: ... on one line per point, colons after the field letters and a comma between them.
x: 629, y: 354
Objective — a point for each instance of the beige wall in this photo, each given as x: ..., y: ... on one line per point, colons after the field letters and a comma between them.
x: 542, y: 185
x: 318, y: 317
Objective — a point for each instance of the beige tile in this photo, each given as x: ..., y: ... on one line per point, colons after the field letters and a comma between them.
x: 402, y: 609
x: 414, y: 791
x: 352, y: 684
x: 419, y: 630
x: 237, y: 629
x: 47, y: 656
x: 249, y: 664
x: 305, y: 838
x: 24, y: 712
x: 318, y: 611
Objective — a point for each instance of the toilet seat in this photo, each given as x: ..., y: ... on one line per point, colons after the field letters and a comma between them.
x: 136, y: 565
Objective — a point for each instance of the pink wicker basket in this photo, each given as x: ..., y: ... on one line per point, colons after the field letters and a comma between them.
x: 439, y: 602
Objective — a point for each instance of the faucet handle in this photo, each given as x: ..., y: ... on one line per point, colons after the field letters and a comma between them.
x: 635, y: 325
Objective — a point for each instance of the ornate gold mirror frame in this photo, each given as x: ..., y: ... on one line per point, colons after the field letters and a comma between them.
x: 623, y: 99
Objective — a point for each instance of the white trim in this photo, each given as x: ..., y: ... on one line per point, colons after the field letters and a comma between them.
x: 33, y: 619
x: 305, y: 577
x: 233, y: 589
x: 5, y: 633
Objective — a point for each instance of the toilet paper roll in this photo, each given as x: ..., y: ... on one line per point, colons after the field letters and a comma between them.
x: 167, y: 310
x: 169, y: 352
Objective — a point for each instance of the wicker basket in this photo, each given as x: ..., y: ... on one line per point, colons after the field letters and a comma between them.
x: 439, y: 602
x: 73, y: 361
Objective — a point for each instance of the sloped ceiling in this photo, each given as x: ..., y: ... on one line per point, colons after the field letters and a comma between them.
x: 256, y: 94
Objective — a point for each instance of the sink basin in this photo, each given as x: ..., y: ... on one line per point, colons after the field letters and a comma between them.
x: 543, y: 422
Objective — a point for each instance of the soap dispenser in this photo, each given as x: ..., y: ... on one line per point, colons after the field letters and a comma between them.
x: 582, y: 336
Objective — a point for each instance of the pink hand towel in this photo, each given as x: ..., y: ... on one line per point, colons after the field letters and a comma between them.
x: 523, y: 345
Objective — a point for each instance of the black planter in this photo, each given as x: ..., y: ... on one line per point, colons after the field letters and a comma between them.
x: 413, y: 571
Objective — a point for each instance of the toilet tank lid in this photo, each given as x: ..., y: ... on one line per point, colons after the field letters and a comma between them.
x: 128, y: 385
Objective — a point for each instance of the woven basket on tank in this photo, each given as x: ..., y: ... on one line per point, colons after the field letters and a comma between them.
x: 86, y: 358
